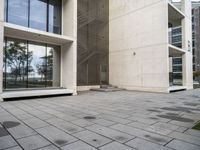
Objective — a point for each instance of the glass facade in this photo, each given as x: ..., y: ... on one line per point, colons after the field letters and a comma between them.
x: 93, y: 42
x: 38, y: 14
x: 30, y: 65
x: 17, y: 12
x: 43, y: 15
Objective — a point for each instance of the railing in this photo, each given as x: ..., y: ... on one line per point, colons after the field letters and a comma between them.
x: 175, y: 36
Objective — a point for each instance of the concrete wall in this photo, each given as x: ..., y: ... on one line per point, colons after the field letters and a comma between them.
x: 187, y: 45
x: 1, y: 43
x: 138, y: 58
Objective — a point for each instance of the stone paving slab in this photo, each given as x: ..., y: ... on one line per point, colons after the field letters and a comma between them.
x: 92, y: 138
x: 79, y: 145
x: 102, y: 121
x: 7, y: 142
x: 110, y: 133
x: 33, y: 142
x: 115, y: 146
x: 21, y: 131
x: 56, y: 136
x: 180, y: 145
x: 160, y: 139
x: 145, y: 145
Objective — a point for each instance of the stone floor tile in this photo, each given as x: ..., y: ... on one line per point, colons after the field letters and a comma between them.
x: 45, y: 116
x: 33, y: 142
x: 56, y: 136
x: 21, y: 131
x: 82, y: 122
x: 185, y: 137
x: 141, y: 144
x: 166, y: 126
x: 115, y: 119
x: 50, y: 147
x: 159, y: 130
x: 6, y: 142
x: 24, y: 116
x: 66, y: 126
x: 3, y: 132
x: 138, y: 125
x: 193, y: 132
x: 142, y: 134
x: 78, y: 146
x: 104, y: 122
x: 35, y: 123
x: 110, y: 133
x: 15, y: 148
x: 181, y: 129
x: 92, y: 138
x: 180, y: 145
x: 143, y: 120
x: 115, y: 146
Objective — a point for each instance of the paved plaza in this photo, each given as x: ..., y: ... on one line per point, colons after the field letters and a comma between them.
x: 123, y: 120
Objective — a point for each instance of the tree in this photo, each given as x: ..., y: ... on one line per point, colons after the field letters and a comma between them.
x: 17, y: 59
x: 197, y: 76
x: 45, y: 68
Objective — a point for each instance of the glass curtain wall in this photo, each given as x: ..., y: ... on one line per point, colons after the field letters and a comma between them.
x: 30, y: 65
x: 43, y: 15
x: 93, y: 39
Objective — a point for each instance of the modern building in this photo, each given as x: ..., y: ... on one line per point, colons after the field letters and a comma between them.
x: 196, y: 35
x: 177, y: 41
x: 59, y: 46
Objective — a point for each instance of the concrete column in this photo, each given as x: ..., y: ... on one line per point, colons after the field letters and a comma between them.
x: 187, y: 45
x: 69, y: 50
x: 56, y: 68
x: 1, y: 43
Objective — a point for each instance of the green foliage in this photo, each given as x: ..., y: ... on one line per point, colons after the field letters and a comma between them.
x: 197, y: 126
x: 197, y: 74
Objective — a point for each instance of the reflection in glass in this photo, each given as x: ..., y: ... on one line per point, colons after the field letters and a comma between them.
x: 4, y: 64
x: 18, y: 12
x: 38, y: 14
x: 49, y: 75
x: 15, y: 64
x: 55, y: 16
x: 30, y: 65
x: 37, y: 76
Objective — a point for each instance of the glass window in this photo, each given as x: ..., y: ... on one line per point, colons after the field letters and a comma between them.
x: 37, y: 66
x: 55, y: 16
x: 49, y: 66
x: 38, y: 14
x: 30, y: 65
x: 18, y: 12
x: 15, y: 59
x: 43, y: 15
